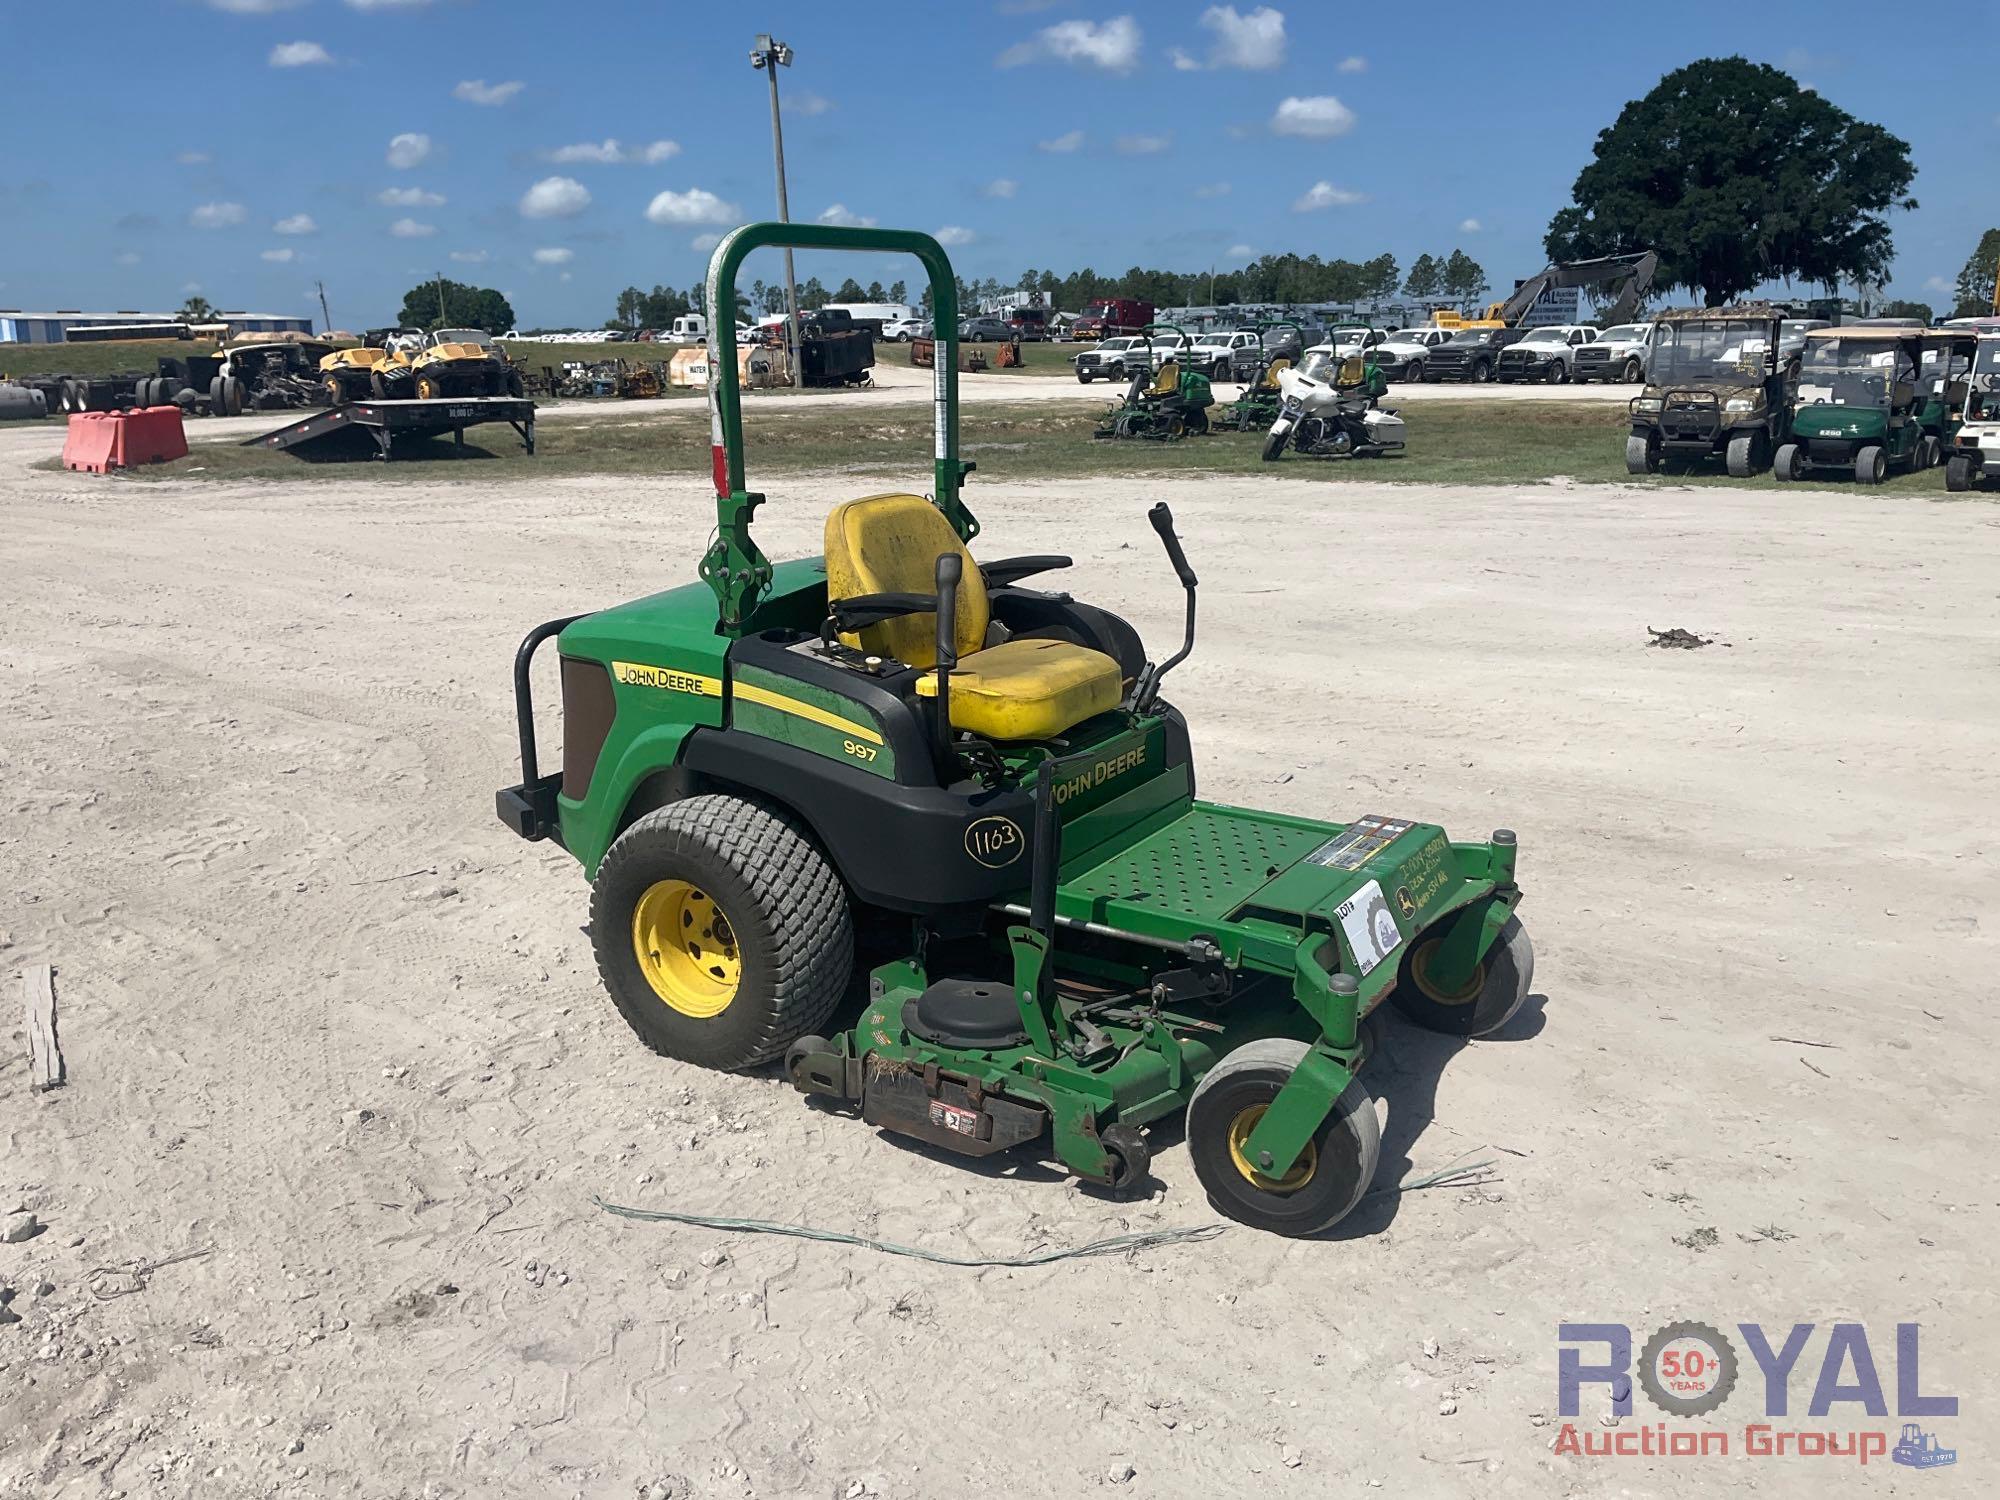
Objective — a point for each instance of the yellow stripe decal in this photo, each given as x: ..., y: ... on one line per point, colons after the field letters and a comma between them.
x: 768, y: 699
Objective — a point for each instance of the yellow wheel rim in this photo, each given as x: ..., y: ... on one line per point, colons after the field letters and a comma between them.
x: 1239, y: 1136
x: 1420, y: 961
x: 686, y: 948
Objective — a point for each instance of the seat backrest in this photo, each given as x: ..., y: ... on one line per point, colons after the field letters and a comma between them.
x: 890, y: 544
x: 1276, y: 368
x: 1168, y: 380
x: 1353, y: 370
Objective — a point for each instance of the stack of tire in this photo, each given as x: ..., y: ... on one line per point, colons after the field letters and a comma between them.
x: 225, y: 396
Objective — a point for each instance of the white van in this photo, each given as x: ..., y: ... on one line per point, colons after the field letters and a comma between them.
x: 873, y: 315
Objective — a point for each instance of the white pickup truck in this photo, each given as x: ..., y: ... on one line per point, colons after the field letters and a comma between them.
x: 1214, y: 354
x: 1546, y: 354
x: 1617, y: 354
x: 1400, y: 356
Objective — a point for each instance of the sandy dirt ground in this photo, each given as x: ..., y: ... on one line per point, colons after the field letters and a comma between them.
x: 336, y: 1036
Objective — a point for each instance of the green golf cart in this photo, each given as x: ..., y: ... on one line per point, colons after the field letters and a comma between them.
x: 1872, y: 398
x: 894, y: 748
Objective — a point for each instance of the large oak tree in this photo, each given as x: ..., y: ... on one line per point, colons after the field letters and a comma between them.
x: 1738, y: 176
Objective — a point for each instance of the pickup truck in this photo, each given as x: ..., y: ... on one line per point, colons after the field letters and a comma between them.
x: 1470, y: 354
x: 1215, y: 354
x: 1543, y: 354
x: 1109, y: 359
x: 1401, y: 355
x: 1616, y: 354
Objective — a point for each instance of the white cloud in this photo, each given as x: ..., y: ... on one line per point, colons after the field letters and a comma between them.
x: 254, y: 7
x: 555, y: 198
x: 609, y: 152
x: 840, y: 214
x: 1062, y: 145
x: 387, y: 4
x: 1326, y: 195
x: 1255, y: 41
x: 1319, y: 118
x: 704, y: 242
x: 296, y: 224
x: 1143, y: 145
x: 1111, y: 45
x: 1000, y: 187
x: 564, y: 277
x: 807, y: 103
x: 1352, y: 65
x: 410, y: 229
x: 1212, y: 190
x: 127, y: 257
x: 479, y: 91
x: 408, y: 150
x: 299, y: 55
x: 281, y: 257
x: 469, y: 257
x: 1239, y: 252
x: 695, y: 206
x: 555, y: 255
x: 217, y: 215
x: 1469, y: 226
x: 1183, y: 63
x: 409, y: 197
x: 190, y: 286
x: 954, y: 234
x: 1940, y: 284
x: 194, y: 158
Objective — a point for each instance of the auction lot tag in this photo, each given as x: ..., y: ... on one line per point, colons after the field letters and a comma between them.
x: 1371, y: 929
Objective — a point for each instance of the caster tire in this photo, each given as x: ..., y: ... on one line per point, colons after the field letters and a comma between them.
x: 1484, y: 1003
x: 1131, y: 1160
x: 1330, y: 1177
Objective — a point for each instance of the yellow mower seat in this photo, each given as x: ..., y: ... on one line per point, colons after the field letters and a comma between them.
x: 1024, y: 689
x: 1167, y: 381
x: 1276, y: 368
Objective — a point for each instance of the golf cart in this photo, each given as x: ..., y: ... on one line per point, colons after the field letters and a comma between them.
x: 1872, y: 398
x: 1715, y: 383
x: 895, y: 749
x: 1257, y: 408
x: 1975, y: 447
x: 1164, y: 404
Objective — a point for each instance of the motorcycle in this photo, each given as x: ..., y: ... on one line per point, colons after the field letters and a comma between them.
x: 1325, y: 414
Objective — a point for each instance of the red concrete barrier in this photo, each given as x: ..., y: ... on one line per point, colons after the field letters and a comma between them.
x: 100, y: 441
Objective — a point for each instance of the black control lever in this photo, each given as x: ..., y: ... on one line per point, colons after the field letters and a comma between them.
x: 949, y: 570
x: 1148, y: 688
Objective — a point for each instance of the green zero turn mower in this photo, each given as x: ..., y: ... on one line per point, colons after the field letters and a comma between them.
x: 1257, y: 408
x: 989, y: 782
x: 1166, y: 404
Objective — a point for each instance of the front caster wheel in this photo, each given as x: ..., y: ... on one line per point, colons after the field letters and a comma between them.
x: 1330, y: 1175
x: 721, y: 932
x: 1131, y: 1159
x: 1484, y: 1002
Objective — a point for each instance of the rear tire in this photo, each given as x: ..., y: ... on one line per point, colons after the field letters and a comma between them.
x: 1958, y: 473
x: 331, y: 392
x: 1786, y: 467
x: 1930, y: 452
x: 1329, y: 1178
x: 1486, y: 1003
x: 780, y: 937
x: 1642, y: 455
x: 1871, y: 465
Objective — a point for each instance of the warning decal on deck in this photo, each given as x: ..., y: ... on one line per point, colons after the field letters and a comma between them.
x: 1359, y: 842
x: 1371, y: 930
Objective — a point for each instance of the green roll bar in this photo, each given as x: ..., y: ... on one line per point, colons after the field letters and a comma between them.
x: 733, y: 566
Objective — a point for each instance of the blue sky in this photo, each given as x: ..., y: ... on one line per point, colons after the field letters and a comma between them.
x: 561, y: 152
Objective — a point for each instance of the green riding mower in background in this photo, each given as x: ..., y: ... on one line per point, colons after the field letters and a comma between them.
x: 1257, y: 407
x: 1166, y: 405
x: 898, y: 750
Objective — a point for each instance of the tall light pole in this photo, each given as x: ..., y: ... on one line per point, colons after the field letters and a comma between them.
x: 770, y: 55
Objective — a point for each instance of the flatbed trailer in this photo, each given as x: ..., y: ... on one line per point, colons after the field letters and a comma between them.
x: 385, y: 421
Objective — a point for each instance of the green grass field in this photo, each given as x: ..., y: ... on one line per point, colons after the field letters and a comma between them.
x: 1454, y: 443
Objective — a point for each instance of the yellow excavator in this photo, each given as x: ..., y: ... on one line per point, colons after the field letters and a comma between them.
x: 1632, y: 274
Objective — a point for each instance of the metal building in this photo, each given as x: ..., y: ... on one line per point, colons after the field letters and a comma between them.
x: 18, y: 327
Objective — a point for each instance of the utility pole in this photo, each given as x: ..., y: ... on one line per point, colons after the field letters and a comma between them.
x: 442, y: 319
x: 770, y: 55
x: 325, y: 317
